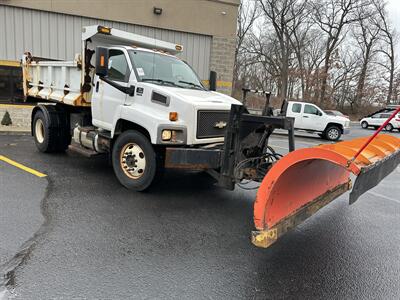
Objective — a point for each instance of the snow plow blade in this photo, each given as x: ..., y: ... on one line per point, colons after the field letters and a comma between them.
x: 305, y: 180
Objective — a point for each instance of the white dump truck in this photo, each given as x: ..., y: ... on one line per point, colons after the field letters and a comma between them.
x: 125, y: 94
x: 129, y: 97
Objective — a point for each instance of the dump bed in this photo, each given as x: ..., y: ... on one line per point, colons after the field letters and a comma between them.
x: 70, y: 82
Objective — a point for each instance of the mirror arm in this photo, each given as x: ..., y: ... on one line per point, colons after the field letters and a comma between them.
x: 127, y: 90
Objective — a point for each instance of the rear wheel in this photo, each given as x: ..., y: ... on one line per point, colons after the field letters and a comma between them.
x: 389, y: 127
x: 364, y: 125
x: 333, y: 133
x: 135, y: 161
x: 50, y: 130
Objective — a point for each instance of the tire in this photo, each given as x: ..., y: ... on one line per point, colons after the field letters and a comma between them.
x: 333, y: 133
x: 364, y: 125
x: 50, y: 130
x: 135, y: 161
x: 389, y: 127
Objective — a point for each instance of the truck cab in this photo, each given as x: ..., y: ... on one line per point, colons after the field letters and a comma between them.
x: 310, y: 118
x: 167, y: 98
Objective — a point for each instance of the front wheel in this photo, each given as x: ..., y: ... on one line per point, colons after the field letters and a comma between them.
x: 364, y: 125
x: 134, y: 160
x: 333, y: 133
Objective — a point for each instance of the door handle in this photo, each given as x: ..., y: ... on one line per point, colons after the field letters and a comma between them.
x: 305, y: 116
x: 97, y: 87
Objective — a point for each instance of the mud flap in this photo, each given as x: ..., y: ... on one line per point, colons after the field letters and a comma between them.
x: 305, y: 180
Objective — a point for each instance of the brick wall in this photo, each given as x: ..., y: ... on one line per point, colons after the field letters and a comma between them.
x: 222, y: 59
x: 20, y: 117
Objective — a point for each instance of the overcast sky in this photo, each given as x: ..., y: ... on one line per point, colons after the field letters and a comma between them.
x: 394, y: 12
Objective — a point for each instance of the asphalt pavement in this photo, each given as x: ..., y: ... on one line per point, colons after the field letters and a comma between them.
x: 76, y: 233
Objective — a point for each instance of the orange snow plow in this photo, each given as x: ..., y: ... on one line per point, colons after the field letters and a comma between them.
x: 294, y: 186
x: 305, y: 180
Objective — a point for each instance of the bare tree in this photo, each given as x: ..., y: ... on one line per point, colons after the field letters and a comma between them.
x: 247, y: 15
x: 284, y: 17
x: 388, y: 36
x: 366, y: 32
x: 332, y: 16
x: 322, y: 51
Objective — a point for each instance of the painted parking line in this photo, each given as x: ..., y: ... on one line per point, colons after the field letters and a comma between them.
x: 22, y: 167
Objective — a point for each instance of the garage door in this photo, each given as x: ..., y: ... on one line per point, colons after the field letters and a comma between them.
x: 57, y: 36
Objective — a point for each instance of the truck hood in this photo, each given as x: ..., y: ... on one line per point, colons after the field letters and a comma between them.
x: 339, y: 119
x: 195, y: 96
x: 204, y: 96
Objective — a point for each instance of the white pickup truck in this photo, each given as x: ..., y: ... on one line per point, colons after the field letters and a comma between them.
x: 310, y: 118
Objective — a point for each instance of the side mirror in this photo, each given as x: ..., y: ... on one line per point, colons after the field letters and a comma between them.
x: 101, y: 61
x: 130, y: 91
x: 213, y: 81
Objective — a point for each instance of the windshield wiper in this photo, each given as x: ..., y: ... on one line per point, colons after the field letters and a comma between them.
x: 192, y: 84
x: 162, y: 81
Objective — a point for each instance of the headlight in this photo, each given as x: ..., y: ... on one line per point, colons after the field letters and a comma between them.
x: 166, y: 135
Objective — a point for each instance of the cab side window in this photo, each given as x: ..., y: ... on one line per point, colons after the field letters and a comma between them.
x: 118, y: 69
x: 296, y: 108
x: 312, y: 110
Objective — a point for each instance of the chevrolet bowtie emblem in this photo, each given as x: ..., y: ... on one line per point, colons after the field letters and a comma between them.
x: 220, y: 124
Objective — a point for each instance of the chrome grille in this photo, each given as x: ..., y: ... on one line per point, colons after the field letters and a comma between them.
x: 211, y: 124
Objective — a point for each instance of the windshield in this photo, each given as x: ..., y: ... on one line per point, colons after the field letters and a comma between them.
x: 163, y: 69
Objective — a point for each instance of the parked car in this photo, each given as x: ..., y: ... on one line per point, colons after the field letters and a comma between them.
x: 378, y: 119
x: 310, y: 118
x: 336, y: 113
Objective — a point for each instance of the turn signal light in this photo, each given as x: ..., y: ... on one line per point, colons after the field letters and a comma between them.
x: 173, y: 116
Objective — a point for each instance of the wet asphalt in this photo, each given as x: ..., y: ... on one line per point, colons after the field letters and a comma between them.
x: 78, y: 234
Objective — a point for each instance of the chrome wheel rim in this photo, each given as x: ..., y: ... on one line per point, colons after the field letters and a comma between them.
x: 39, y: 131
x: 333, y: 134
x: 133, y: 160
x: 364, y: 125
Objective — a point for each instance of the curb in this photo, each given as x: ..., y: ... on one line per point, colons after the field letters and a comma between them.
x: 15, y: 132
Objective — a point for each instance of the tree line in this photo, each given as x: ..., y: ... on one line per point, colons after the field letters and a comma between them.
x: 336, y: 53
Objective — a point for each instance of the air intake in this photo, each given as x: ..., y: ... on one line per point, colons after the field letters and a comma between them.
x: 161, y: 99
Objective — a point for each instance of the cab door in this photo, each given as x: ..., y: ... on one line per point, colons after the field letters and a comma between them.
x: 107, y: 99
x: 312, y: 118
x: 295, y: 112
x: 375, y: 120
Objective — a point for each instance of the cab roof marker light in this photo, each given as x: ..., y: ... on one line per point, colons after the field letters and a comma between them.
x: 103, y: 29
